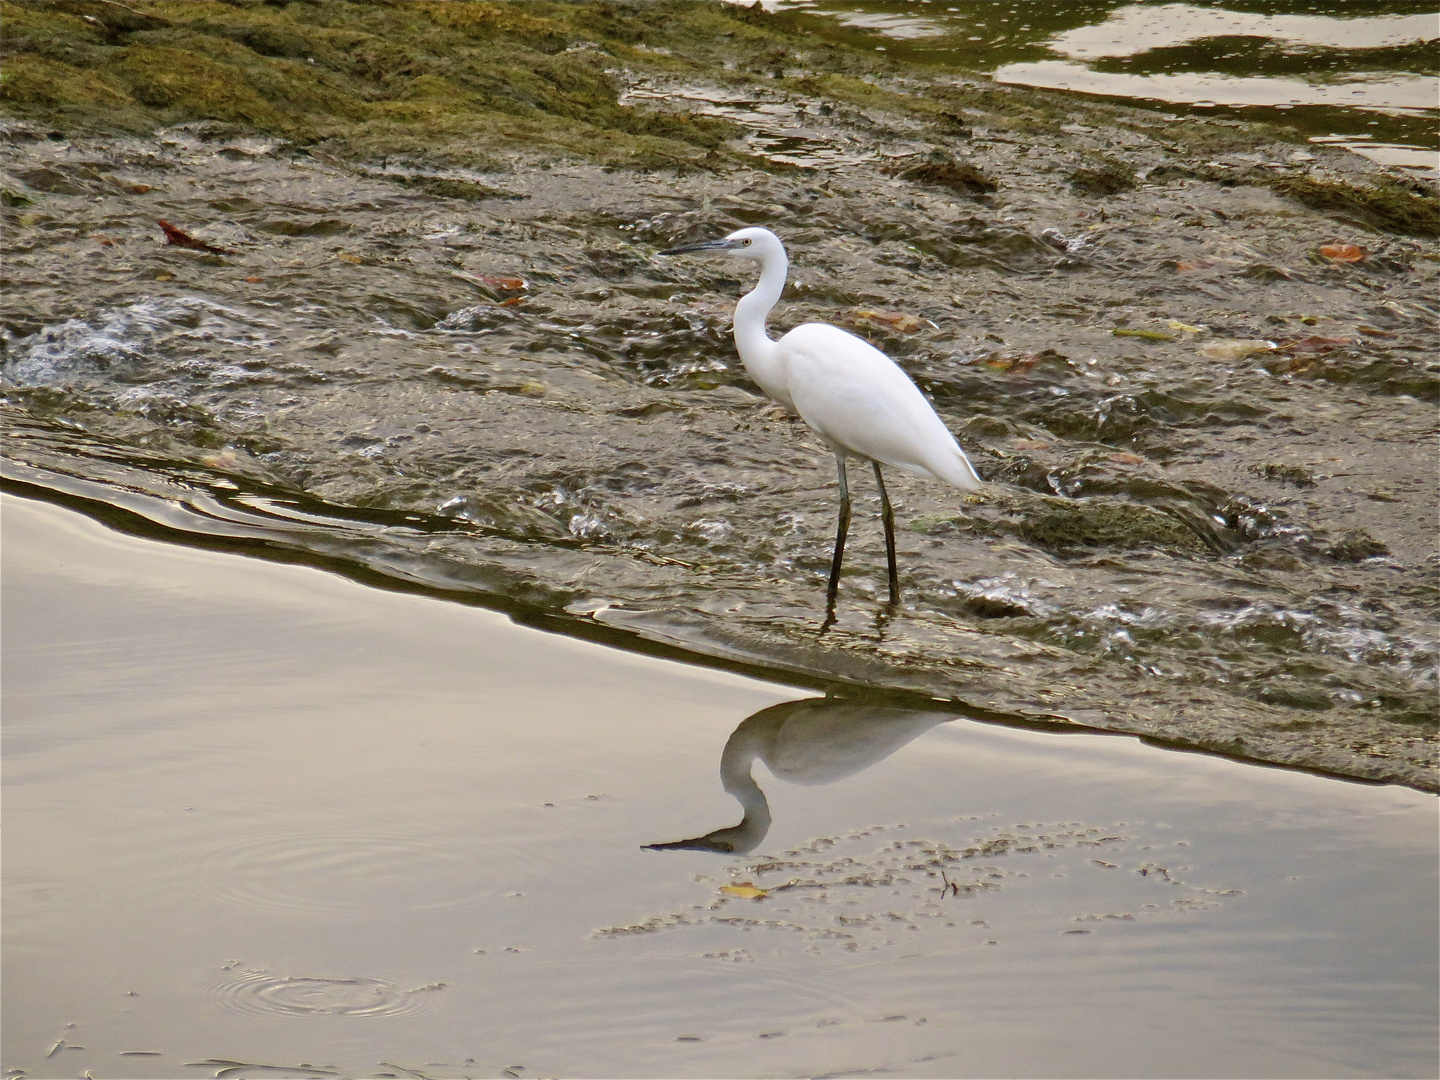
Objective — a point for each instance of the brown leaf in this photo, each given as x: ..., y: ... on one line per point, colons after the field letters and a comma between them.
x: 1123, y: 458
x: 180, y: 238
x: 1346, y: 253
x: 1006, y: 362
x: 1373, y: 331
x: 512, y: 301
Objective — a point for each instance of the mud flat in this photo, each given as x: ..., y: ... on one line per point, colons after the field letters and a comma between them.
x: 419, y: 330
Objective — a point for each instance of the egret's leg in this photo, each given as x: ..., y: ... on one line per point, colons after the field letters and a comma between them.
x: 887, y: 517
x: 841, y: 530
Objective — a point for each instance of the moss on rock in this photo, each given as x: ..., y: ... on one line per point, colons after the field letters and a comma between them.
x: 1062, y: 525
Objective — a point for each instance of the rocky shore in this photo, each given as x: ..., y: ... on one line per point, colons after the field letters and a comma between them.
x: 409, y: 318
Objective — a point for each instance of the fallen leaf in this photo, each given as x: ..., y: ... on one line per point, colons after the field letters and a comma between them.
x: 345, y: 256
x: 180, y: 238
x: 164, y: 275
x: 1030, y: 444
x: 1176, y: 324
x: 1003, y: 362
x: 745, y: 890
x: 1148, y: 335
x: 1235, y: 350
x: 1346, y: 253
x: 895, y: 320
x: 504, y: 284
x: 253, y: 280
x: 512, y: 301
x: 139, y: 189
x: 1372, y: 331
x: 1127, y: 459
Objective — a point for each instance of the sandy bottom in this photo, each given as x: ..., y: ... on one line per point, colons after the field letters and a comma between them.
x: 258, y: 815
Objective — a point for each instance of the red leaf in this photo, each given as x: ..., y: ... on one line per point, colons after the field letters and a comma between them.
x: 180, y: 238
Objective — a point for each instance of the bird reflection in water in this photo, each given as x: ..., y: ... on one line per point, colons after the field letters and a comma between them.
x: 812, y: 741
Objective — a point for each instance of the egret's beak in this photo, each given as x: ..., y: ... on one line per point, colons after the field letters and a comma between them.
x: 708, y: 245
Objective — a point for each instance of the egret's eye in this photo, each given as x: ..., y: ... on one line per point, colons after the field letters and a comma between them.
x: 747, y: 243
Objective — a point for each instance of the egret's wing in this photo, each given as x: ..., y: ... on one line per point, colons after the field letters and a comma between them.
x: 858, y: 399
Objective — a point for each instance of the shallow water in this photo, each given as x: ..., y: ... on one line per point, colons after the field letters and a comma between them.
x: 257, y: 814
x: 1230, y: 550
x: 1360, y: 75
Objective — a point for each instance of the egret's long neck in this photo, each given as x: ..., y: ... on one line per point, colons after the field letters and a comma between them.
x: 756, y: 349
x: 736, y: 763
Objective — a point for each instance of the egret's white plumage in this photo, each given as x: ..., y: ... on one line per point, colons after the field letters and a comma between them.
x: 850, y: 393
x: 859, y: 400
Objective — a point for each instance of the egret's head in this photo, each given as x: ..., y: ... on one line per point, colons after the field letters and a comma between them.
x: 752, y: 243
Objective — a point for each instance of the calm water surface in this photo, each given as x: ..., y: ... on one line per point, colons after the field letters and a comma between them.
x: 259, y: 815
x: 1361, y: 74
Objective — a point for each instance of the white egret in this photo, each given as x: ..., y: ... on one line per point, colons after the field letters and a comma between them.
x: 851, y: 394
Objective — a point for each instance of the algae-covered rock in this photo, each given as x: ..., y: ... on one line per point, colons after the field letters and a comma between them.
x: 1062, y: 525
x: 380, y: 79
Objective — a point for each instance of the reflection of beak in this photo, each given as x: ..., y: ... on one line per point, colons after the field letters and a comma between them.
x: 700, y: 843
x: 708, y: 245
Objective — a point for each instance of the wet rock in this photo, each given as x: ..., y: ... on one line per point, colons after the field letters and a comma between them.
x: 1356, y: 546
x: 1289, y: 474
x: 957, y: 176
x: 1063, y: 525
x: 1106, y: 178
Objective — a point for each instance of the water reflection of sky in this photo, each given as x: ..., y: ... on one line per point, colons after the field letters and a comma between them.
x: 1362, y: 74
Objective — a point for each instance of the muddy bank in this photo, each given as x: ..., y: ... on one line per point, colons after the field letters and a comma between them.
x: 455, y: 359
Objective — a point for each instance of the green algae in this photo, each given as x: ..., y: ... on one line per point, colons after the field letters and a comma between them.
x: 373, y: 79
x: 1388, y: 205
x: 1066, y: 525
x: 1394, y: 206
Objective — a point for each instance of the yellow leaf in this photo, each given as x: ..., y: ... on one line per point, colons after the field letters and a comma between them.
x: 746, y: 890
x: 345, y: 256
x: 1348, y: 253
